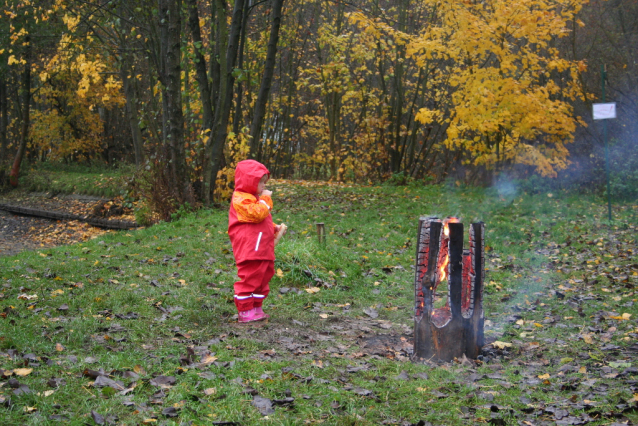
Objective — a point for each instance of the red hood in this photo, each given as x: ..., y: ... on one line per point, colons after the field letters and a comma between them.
x: 247, y: 176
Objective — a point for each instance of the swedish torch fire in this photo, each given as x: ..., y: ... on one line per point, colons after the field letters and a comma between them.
x: 453, y: 328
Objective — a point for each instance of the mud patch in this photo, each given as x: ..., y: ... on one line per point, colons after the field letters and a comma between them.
x: 388, y: 345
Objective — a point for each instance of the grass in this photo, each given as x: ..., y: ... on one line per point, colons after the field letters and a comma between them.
x: 558, y: 281
x: 97, y: 180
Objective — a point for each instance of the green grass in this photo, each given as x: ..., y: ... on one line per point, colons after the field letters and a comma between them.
x: 311, y: 348
x: 97, y: 180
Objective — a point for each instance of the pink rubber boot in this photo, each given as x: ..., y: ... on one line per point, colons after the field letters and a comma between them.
x: 260, y: 311
x: 250, y: 316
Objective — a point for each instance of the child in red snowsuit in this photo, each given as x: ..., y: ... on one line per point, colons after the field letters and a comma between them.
x: 252, y: 234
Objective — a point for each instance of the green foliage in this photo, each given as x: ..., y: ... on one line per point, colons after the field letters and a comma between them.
x: 624, y: 170
x: 182, y: 210
x: 399, y: 179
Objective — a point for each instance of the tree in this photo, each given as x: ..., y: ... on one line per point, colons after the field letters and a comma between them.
x: 266, y: 81
x: 508, y: 89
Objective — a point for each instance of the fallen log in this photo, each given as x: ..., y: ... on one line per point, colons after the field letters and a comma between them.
x: 94, y: 221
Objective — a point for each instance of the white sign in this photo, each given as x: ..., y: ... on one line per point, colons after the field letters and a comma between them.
x: 604, y: 111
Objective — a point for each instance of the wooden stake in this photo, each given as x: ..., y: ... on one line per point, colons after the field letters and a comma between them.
x: 321, y: 232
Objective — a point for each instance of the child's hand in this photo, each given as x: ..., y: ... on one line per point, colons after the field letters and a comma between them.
x: 265, y: 192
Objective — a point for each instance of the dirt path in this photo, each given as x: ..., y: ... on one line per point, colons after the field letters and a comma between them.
x: 19, y: 233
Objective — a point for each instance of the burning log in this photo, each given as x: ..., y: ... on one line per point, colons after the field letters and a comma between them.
x: 456, y: 328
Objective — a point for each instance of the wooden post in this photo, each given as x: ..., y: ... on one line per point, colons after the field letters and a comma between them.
x: 457, y: 328
x: 321, y: 232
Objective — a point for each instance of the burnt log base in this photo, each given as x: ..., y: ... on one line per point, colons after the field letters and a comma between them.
x: 456, y: 329
x: 97, y: 222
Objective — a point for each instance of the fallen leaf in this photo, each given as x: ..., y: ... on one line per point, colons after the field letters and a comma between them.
x: 264, y: 405
x: 372, y: 313
x: 22, y: 371
x: 97, y: 417
x: 312, y: 290
x: 163, y: 381
x: 59, y: 347
x: 501, y: 345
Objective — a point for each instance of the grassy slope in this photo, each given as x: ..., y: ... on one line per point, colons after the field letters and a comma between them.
x: 539, y: 245
x: 97, y: 180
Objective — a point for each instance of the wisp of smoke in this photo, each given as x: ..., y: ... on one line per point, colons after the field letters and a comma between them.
x: 505, y: 188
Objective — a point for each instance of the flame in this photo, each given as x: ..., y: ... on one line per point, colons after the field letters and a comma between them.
x: 446, y: 232
x: 442, y: 273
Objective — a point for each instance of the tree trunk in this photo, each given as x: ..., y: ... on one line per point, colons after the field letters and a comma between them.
x: 26, y: 110
x: 215, y: 148
x: 4, y: 120
x: 266, y: 81
x: 127, y: 77
x: 202, y: 77
x: 239, y: 93
x: 170, y: 19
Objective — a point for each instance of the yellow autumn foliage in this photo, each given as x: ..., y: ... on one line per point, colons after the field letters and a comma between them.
x: 508, y: 88
x: 75, y: 86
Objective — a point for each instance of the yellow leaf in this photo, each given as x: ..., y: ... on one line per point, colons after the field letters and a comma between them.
x: 582, y: 370
x: 324, y: 316
x: 312, y: 290
x: 501, y: 345
x: 626, y: 316
x: 210, y: 391
x: 25, y: 296
x: 544, y: 376
x: 59, y: 347
x: 280, y: 273
x: 588, y: 339
x: 22, y: 371
x: 208, y: 359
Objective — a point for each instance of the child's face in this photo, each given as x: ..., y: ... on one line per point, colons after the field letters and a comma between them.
x: 262, y: 184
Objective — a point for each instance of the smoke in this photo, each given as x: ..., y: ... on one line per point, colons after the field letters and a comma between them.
x: 506, y: 188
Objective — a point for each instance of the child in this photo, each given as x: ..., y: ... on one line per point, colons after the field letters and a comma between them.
x: 252, y: 234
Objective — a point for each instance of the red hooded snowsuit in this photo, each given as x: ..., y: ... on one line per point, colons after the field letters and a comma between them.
x: 252, y: 234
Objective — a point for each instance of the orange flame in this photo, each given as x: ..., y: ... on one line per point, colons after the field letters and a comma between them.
x: 446, y: 232
x: 443, y: 266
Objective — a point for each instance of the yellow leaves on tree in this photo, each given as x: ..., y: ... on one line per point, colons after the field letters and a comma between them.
x: 507, y: 88
x: 74, y: 90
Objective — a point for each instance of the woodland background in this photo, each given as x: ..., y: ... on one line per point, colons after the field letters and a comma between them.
x: 367, y: 90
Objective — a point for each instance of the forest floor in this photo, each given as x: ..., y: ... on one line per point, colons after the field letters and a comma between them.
x: 139, y: 327
x: 20, y: 232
